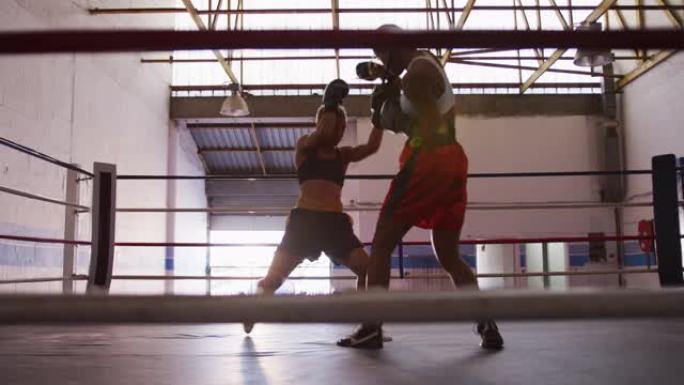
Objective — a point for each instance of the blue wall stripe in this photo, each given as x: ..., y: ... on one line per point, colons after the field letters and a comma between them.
x: 633, y: 260
x: 578, y: 260
x: 578, y: 248
x: 169, y: 264
x: 30, y: 255
x: 632, y: 247
x: 639, y: 260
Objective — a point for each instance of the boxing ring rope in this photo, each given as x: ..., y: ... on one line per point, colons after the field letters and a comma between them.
x: 43, y: 279
x: 21, y: 238
x: 472, y: 207
x: 344, y: 308
x: 411, y: 276
x: 503, y: 206
x: 93, y: 41
x: 72, y: 209
x: 652, y: 269
x: 82, y: 208
x: 41, y: 198
x: 492, y: 241
x: 536, y: 174
x: 39, y: 155
x: 133, y: 277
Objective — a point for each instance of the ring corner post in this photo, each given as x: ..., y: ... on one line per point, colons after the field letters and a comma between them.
x: 666, y: 218
x: 681, y: 176
x: 103, y: 226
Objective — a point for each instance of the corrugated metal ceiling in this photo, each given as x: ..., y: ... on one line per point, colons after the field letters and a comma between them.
x: 233, y: 150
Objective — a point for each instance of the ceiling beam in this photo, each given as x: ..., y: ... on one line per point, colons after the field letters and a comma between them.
x: 369, y: 86
x: 200, y: 25
x: 285, y: 11
x: 458, y: 26
x: 334, y: 6
x: 260, y: 58
x: 430, y: 18
x: 101, y: 41
x: 517, y: 52
x: 239, y: 18
x: 270, y: 109
x: 364, y: 86
x: 529, y: 68
x: 602, y: 8
x: 641, y: 24
x: 644, y: 67
x: 212, y: 24
x: 623, y: 24
x: 621, y: 19
x: 255, y: 142
x: 172, y: 60
x: 561, y: 19
x: 449, y: 15
x: 674, y: 17
x: 526, y: 21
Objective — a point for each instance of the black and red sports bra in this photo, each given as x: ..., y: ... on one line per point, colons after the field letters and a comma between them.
x: 313, y: 167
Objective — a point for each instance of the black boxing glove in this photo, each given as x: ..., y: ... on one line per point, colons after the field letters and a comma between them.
x: 370, y: 70
x: 377, y: 98
x: 392, y: 117
x: 382, y: 93
x: 334, y: 92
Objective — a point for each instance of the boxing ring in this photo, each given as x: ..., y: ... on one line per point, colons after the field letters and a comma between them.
x: 621, y: 335
x: 358, y: 307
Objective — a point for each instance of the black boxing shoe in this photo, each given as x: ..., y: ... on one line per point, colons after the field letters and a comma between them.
x: 489, y: 333
x: 247, y: 327
x: 364, y: 337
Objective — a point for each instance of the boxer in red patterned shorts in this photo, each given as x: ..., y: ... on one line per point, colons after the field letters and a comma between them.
x: 430, y: 189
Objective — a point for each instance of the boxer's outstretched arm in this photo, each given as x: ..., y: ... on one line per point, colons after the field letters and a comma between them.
x: 363, y: 151
x: 325, y: 125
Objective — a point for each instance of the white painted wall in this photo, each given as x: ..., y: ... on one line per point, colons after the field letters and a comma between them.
x: 652, y: 115
x: 81, y: 109
x: 186, y: 227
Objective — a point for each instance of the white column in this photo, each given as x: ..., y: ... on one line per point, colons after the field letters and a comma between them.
x: 556, y: 259
x: 534, y: 262
x: 171, y: 168
x: 70, y: 231
x: 559, y: 260
x: 493, y: 259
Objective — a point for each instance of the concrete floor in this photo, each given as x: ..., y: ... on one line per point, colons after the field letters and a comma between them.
x: 597, y: 352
